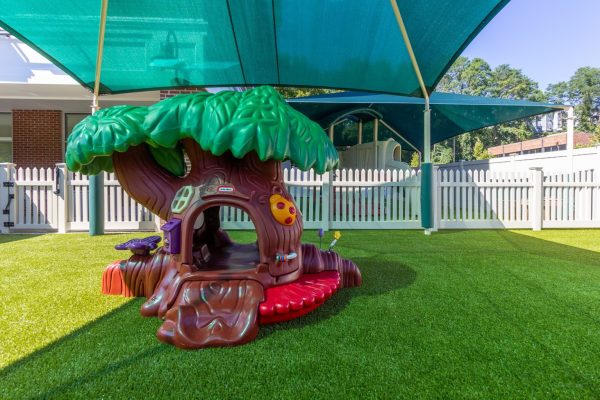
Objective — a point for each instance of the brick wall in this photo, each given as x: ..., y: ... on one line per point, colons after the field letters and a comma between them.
x: 164, y: 94
x: 37, y: 137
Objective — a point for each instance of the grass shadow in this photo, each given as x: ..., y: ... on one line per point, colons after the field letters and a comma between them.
x: 488, y: 309
x: 14, y: 237
x: 379, y: 277
x: 92, y: 351
x: 543, y: 248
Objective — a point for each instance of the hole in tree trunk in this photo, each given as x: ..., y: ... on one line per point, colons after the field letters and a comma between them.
x: 214, y: 250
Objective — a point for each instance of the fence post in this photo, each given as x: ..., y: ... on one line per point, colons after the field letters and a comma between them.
x: 570, y: 136
x: 536, y: 207
x: 7, y: 174
x: 326, y: 200
x: 435, y: 199
x: 62, y: 192
x: 426, y: 197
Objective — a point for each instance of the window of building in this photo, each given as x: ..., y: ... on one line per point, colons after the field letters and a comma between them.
x: 6, y: 151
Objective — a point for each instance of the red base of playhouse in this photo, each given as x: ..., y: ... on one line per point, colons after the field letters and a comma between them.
x: 282, y: 303
x: 286, y: 302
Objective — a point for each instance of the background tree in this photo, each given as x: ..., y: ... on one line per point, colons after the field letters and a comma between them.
x: 415, y: 160
x: 470, y: 77
x: 479, y: 150
x: 583, y: 91
x: 289, y: 92
x: 476, y: 78
x: 441, y: 153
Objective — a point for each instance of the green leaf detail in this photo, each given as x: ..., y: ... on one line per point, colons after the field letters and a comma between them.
x: 170, y: 159
x: 257, y: 120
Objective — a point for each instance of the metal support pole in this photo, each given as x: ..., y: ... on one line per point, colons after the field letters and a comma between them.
x: 375, y: 141
x: 454, y: 149
x: 96, y: 194
x: 360, y: 129
x: 96, y: 182
x: 426, y: 170
x: 426, y: 173
x: 427, y: 132
x: 405, y: 140
x: 331, y: 127
x: 96, y: 204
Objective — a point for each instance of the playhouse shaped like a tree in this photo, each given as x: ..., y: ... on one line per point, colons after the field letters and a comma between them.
x: 209, y: 290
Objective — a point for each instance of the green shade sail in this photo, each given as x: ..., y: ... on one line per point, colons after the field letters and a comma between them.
x: 346, y: 44
x: 451, y: 114
x: 257, y: 120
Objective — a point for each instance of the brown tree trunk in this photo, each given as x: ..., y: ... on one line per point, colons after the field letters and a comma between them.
x: 153, y: 186
x: 256, y: 180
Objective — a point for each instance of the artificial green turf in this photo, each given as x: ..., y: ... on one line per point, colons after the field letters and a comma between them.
x: 464, y: 314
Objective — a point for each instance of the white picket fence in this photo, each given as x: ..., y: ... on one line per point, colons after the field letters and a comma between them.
x: 54, y: 199
x: 348, y: 199
x: 478, y: 199
x: 572, y: 199
x: 48, y: 199
x: 527, y: 199
x: 121, y: 212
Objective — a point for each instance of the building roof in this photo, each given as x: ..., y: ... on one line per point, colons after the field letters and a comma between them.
x: 30, y: 81
x: 544, y: 142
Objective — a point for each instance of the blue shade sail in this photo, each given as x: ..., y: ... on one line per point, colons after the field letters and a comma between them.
x: 344, y: 44
x: 451, y: 114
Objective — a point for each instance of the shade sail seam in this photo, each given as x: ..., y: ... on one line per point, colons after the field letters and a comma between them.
x: 237, y: 48
x: 437, y: 98
x: 99, y: 53
x: 409, y: 49
x: 240, y: 84
x: 437, y: 103
x: 468, y: 41
x: 275, y: 40
x: 395, y: 132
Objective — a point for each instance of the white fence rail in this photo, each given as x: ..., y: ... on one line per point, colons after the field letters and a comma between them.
x: 348, y: 199
x: 572, y: 199
x: 53, y: 199
x: 121, y: 212
x: 34, y: 202
x: 477, y: 199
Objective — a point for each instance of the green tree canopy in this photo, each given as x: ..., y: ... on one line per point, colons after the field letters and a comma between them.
x: 256, y: 120
x: 479, y: 150
x: 582, y: 91
x: 292, y: 92
x: 475, y: 77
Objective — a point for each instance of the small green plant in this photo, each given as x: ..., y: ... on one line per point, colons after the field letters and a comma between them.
x: 479, y: 150
x: 415, y: 160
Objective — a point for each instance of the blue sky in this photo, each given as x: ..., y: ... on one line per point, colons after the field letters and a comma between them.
x: 547, y: 39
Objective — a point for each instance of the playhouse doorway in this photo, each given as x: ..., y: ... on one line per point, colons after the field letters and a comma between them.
x: 215, y: 250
